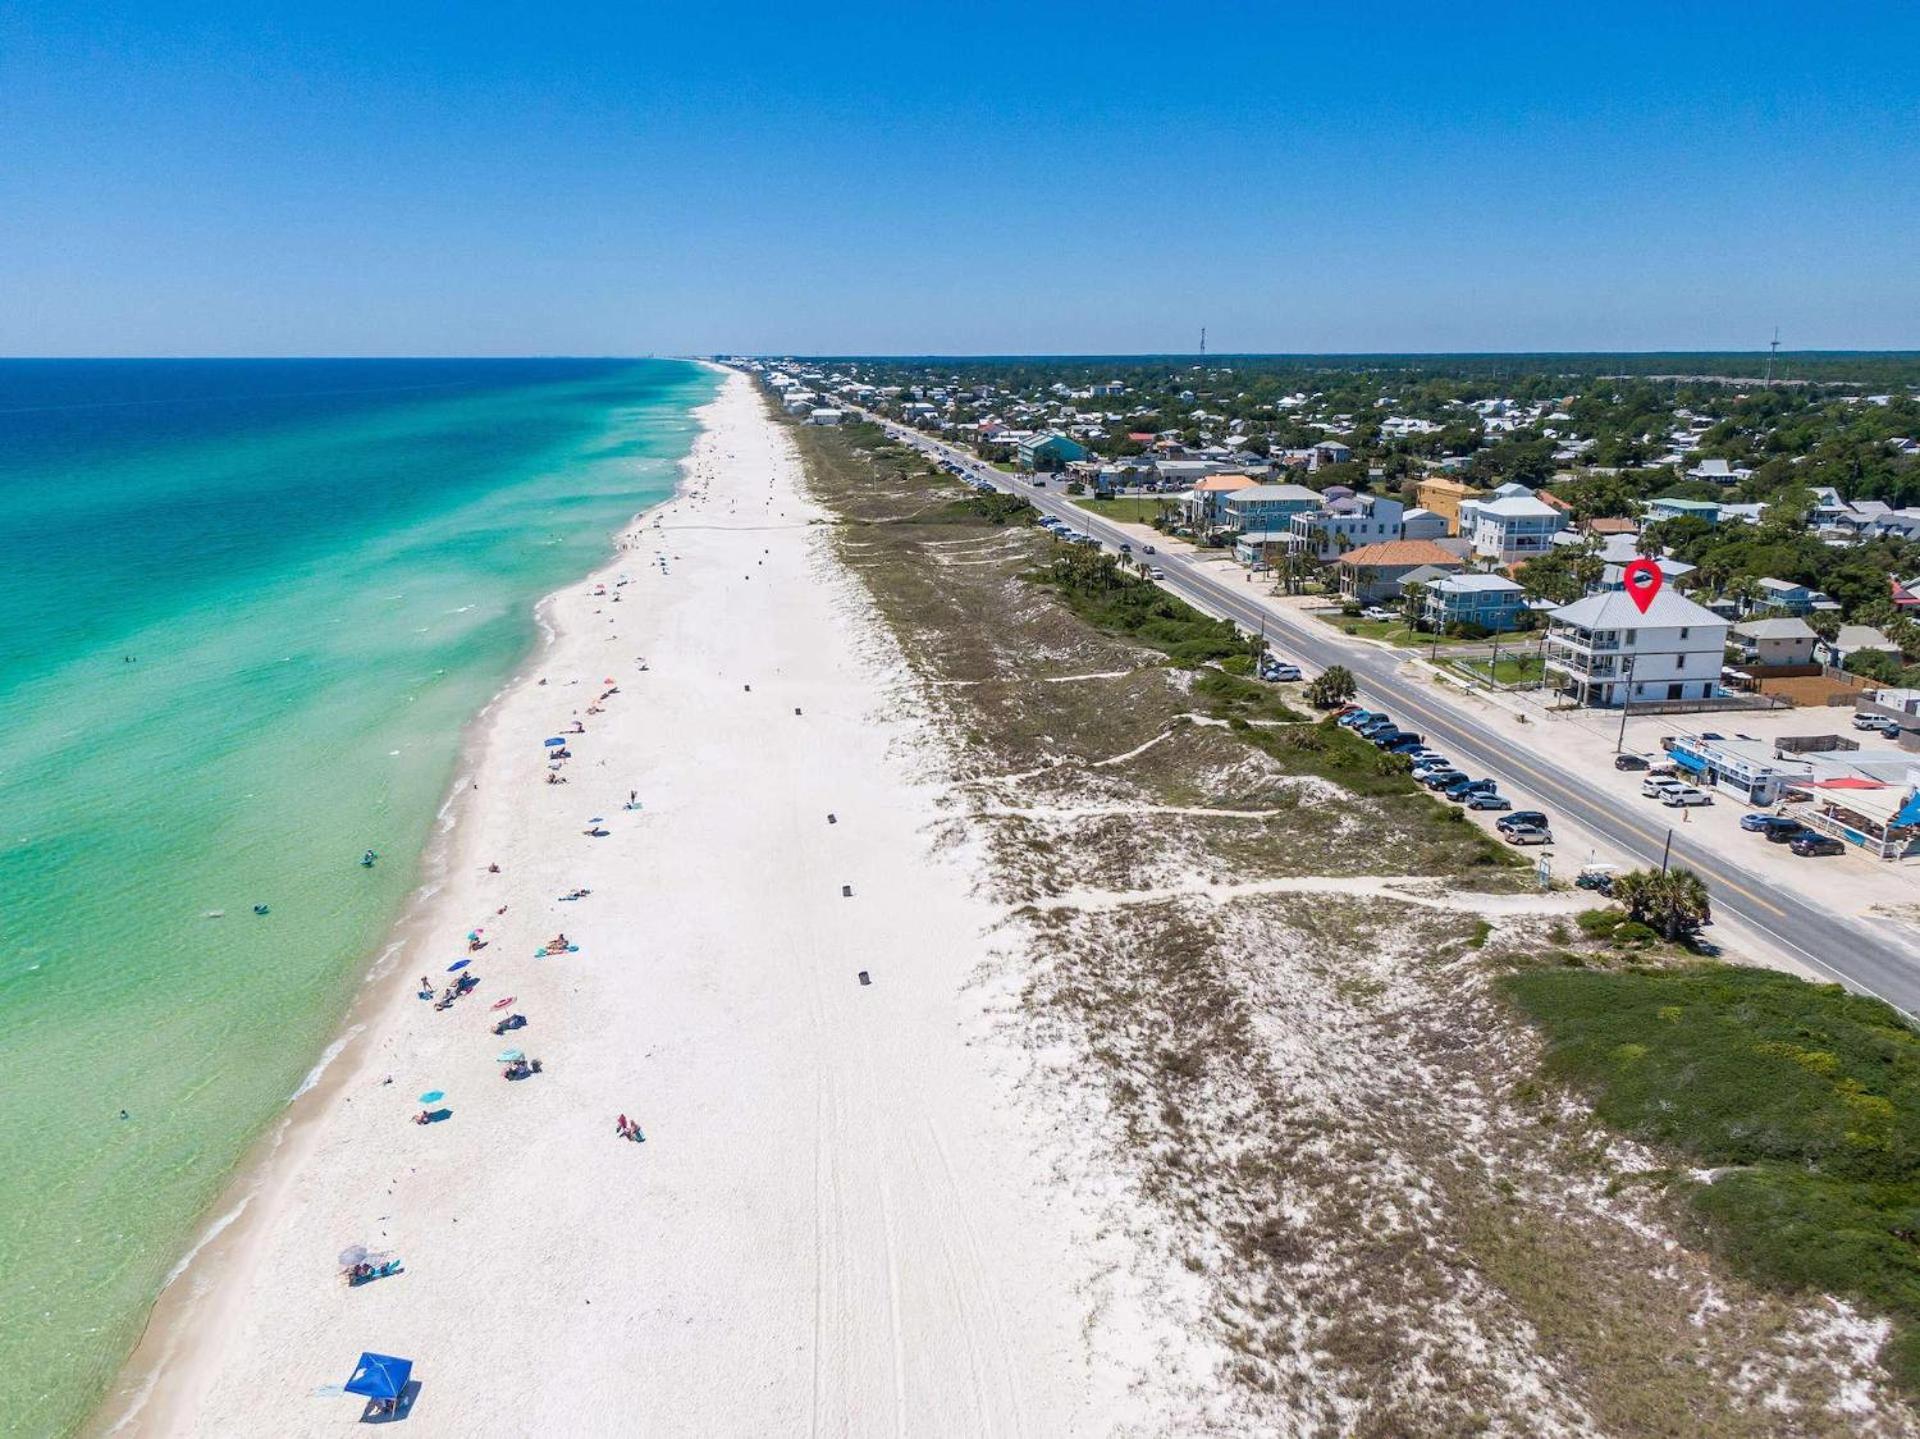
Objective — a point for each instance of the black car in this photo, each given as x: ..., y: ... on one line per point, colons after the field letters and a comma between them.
x: 1533, y: 817
x: 1812, y: 843
x: 1786, y: 832
x: 1628, y: 761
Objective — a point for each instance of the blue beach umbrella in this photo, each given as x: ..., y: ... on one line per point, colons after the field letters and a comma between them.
x: 380, y: 1376
x: 458, y: 964
x: 556, y: 743
x: 433, y: 1096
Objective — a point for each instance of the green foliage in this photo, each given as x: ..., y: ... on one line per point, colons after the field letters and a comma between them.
x: 1808, y: 1096
x: 1674, y: 903
x: 990, y: 506
x: 1097, y: 589
x: 1332, y: 687
x: 1875, y: 665
x: 1230, y: 696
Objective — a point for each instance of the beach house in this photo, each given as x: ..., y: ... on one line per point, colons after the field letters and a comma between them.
x: 1603, y: 650
x: 1785, y: 640
x: 1492, y: 603
x: 1442, y: 495
x: 1667, y: 508
x: 1344, y: 521
x: 1514, y: 527
x: 1375, y: 574
x: 1205, y: 506
x: 1267, y: 507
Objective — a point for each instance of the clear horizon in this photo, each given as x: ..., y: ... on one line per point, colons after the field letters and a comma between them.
x: 261, y: 181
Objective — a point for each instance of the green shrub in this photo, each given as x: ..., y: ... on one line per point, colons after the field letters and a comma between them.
x: 1805, y: 1097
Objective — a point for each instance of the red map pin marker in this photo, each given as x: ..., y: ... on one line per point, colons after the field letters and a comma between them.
x: 1643, y: 581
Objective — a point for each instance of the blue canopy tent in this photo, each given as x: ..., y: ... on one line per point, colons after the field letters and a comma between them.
x: 381, y: 1377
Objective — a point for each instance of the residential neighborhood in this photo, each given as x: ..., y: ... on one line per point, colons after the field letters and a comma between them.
x: 1456, y: 518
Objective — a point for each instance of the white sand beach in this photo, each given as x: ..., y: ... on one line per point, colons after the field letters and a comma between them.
x: 839, y: 1221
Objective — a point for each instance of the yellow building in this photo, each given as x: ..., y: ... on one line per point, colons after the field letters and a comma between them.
x: 1442, y: 495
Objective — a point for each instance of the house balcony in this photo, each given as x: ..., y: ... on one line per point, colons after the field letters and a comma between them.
x: 1584, y: 645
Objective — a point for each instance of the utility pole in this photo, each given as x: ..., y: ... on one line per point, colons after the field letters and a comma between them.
x: 1666, y: 852
x: 1773, y: 353
x: 1626, y: 703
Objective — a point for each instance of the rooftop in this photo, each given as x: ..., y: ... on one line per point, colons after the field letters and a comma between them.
x: 1400, y: 552
x: 1617, y: 610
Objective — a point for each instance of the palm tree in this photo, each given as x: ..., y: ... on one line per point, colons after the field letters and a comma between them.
x: 1674, y: 902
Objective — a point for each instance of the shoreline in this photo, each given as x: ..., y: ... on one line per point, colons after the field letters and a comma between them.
x: 837, y: 1178
x: 205, y: 1267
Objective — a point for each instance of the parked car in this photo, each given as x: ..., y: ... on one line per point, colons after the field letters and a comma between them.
x: 1657, y: 786
x: 1767, y: 823
x: 1876, y: 724
x: 1280, y: 674
x: 1811, y: 843
x: 1403, y: 746
x: 1629, y: 761
x: 1462, y: 790
x: 1354, y: 718
x: 1685, y: 797
x: 1528, y: 834
x: 1441, y: 778
x: 1406, y: 737
x: 1487, y: 799
x: 1787, y: 832
x: 1430, y: 761
x: 1521, y: 819
x: 1709, y: 734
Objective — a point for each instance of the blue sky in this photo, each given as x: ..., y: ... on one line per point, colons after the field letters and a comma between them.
x: 428, y: 178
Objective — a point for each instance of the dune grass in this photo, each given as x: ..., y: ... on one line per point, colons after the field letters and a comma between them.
x: 1803, y: 1099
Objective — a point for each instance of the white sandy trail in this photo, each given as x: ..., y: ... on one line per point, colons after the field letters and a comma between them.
x: 838, y: 1224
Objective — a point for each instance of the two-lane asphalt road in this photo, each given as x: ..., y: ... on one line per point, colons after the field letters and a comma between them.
x: 1874, y: 963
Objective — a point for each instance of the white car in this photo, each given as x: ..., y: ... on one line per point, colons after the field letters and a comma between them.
x: 1659, y: 786
x: 1280, y: 674
x: 1157, y: 573
x: 1685, y: 797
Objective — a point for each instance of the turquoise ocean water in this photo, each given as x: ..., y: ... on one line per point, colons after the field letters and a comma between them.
x: 246, y: 608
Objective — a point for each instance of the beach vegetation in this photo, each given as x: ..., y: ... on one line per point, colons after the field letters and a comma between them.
x: 1797, y: 1103
x: 1096, y: 587
x: 1331, y: 688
